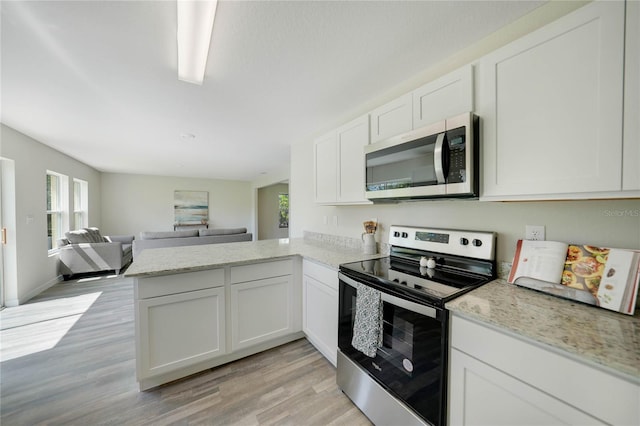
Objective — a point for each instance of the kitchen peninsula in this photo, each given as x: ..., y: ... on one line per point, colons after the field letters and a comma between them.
x: 197, y: 307
x: 202, y: 306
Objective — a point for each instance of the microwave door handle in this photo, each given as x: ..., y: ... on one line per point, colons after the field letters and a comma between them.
x: 438, y: 160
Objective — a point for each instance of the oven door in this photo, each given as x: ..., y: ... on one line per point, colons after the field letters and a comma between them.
x: 411, y: 361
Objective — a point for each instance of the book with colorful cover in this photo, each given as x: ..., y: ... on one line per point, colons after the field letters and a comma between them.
x: 603, y: 277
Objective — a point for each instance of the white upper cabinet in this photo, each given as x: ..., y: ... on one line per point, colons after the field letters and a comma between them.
x: 631, y: 148
x: 551, y: 105
x: 393, y: 118
x: 339, y: 164
x: 351, y: 139
x: 445, y: 97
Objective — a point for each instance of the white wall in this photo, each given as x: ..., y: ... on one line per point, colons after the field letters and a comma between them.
x: 34, y: 269
x: 613, y: 223
x: 135, y: 203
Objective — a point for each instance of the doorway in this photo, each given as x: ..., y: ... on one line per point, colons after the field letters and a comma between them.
x: 273, y: 211
x: 8, y: 265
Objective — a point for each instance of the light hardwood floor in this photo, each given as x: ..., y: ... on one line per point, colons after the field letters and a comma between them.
x: 68, y: 358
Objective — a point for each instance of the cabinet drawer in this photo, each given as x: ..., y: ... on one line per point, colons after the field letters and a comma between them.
x: 258, y: 271
x: 321, y: 273
x: 602, y: 395
x: 178, y: 283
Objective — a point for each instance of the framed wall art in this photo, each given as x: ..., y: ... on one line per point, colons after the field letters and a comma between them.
x: 191, y: 207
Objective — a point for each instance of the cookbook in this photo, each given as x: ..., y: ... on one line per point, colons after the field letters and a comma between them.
x: 603, y: 277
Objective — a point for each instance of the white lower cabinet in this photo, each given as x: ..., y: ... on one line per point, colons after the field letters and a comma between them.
x: 260, y: 311
x: 181, y: 330
x: 188, y: 322
x: 263, y: 303
x: 180, y: 321
x: 498, y: 379
x: 481, y: 394
x: 320, y: 308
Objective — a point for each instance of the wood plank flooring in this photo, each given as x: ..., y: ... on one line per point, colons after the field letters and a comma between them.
x: 68, y: 357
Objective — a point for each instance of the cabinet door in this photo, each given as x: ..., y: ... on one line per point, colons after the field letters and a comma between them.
x: 482, y: 395
x: 179, y: 330
x: 351, y: 139
x: 320, y: 316
x: 551, y: 104
x: 445, y: 97
x: 260, y: 311
x: 631, y: 171
x: 393, y: 118
x: 326, y: 168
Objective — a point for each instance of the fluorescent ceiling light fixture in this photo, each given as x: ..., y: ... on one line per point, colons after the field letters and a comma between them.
x: 195, y: 24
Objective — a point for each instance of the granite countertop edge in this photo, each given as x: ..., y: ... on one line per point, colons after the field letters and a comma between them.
x: 603, y: 339
x: 173, y: 260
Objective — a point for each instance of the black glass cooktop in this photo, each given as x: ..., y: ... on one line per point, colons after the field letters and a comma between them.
x: 437, y: 285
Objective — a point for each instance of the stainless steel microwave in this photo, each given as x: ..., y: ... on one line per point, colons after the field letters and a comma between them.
x: 436, y: 161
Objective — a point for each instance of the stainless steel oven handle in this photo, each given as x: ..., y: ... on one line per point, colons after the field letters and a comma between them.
x: 396, y: 301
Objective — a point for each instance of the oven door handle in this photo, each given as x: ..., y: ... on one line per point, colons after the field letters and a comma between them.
x: 396, y: 301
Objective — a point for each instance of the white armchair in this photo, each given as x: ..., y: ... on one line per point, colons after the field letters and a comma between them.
x: 85, y: 250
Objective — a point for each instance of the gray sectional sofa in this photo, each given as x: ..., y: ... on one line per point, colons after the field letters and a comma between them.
x: 194, y: 237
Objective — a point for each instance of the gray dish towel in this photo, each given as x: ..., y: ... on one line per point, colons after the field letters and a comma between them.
x: 367, y: 328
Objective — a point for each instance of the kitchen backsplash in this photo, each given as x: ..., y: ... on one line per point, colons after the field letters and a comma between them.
x: 342, y: 241
x: 383, y: 248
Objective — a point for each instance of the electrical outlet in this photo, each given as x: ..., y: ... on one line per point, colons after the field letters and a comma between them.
x: 534, y: 232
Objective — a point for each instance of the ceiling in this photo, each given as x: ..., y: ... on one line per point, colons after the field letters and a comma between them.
x: 97, y: 80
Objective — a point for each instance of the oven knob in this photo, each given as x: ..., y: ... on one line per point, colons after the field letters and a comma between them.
x: 476, y: 242
x: 405, y: 235
x: 464, y: 241
x: 395, y: 280
x: 396, y: 234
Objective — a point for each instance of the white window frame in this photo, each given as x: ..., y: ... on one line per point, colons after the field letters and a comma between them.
x: 59, y: 210
x: 80, y: 203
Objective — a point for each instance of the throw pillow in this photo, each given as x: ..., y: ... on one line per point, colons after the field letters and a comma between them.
x: 79, y: 236
x: 94, y: 234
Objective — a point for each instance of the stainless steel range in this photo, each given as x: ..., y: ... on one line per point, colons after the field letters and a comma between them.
x: 393, y: 327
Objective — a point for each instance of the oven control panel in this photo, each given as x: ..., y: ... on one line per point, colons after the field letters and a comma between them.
x: 475, y: 244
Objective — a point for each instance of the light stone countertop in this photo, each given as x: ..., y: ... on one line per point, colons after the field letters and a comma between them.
x: 172, y: 260
x: 602, y: 338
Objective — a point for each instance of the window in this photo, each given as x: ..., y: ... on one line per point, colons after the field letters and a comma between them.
x: 80, y: 204
x: 57, y: 187
x: 283, y: 207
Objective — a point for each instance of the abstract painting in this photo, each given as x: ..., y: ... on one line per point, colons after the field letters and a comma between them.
x: 191, y: 207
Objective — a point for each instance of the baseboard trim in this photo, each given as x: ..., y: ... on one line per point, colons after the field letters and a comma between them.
x: 36, y: 291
